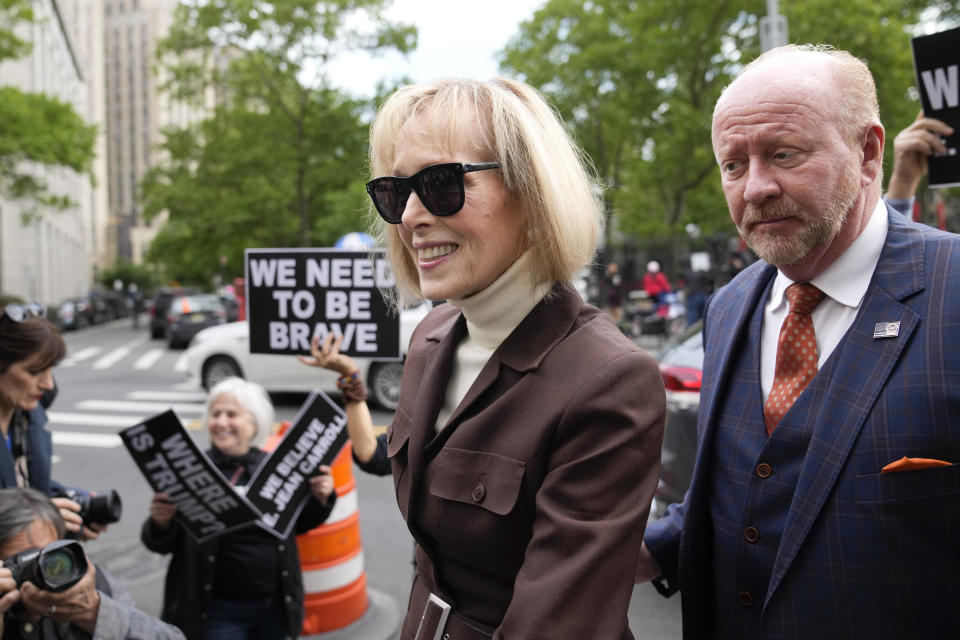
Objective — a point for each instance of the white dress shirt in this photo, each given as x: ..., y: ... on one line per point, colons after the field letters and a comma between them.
x: 844, y: 284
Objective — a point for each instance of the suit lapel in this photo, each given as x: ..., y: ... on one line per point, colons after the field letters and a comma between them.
x: 443, y: 342
x: 729, y: 325
x: 855, y: 376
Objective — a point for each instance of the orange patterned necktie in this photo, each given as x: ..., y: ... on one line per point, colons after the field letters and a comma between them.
x: 796, y: 353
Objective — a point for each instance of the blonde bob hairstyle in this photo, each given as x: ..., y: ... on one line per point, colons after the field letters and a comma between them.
x: 541, y: 165
x: 252, y: 398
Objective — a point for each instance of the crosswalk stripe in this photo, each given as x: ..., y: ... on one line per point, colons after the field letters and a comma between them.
x: 79, y: 356
x: 77, y: 439
x: 185, y: 396
x: 61, y: 418
x: 119, y: 353
x: 95, y: 420
x: 146, y: 407
x: 181, y: 364
x: 148, y: 359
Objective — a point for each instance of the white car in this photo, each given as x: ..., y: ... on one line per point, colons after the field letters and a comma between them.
x: 224, y: 351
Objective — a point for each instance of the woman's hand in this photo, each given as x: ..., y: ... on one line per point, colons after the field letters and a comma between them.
x: 328, y: 356
x: 162, y: 510
x: 321, y: 486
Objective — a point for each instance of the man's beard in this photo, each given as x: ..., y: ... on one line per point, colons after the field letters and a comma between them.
x: 783, y: 249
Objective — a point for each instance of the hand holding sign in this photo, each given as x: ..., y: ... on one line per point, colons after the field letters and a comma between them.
x: 162, y: 510
x: 924, y: 137
x: 321, y: 485
x: 328, y: 356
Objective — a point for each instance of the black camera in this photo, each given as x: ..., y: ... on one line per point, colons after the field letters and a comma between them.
x: 56, y: 567
x: 105, y: 509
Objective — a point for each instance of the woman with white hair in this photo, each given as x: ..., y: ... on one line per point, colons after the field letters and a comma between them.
x: 525, y: 449
x: 245, y: 583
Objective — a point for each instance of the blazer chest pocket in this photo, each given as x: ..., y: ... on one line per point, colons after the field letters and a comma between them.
x: 486, y: 480
x: 905, y: 488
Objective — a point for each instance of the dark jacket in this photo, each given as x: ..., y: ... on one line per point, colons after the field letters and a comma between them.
x: 193, y: 566
x: 529, y: 506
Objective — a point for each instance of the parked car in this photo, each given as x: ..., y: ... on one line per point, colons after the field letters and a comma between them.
x: 158, y: 306
x: 681, y: 366
x: 188, y: 315
x: 222, y: 352
x: 75, y: 313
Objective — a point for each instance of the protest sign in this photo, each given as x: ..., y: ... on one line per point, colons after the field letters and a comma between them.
x: 280, y: 484
x: 295, y: 294
x: 936, y: 60
x: 207, y: 505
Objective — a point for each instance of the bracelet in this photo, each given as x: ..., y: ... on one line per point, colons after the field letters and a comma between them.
x: 352, y: 388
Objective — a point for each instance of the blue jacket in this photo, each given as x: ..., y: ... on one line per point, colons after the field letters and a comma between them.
x: 859, y: 554
x: 40, y: 448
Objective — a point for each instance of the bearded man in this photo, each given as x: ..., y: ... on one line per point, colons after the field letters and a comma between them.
x: 825, y: 499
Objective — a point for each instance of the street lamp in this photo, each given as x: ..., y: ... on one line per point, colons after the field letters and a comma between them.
x: 773, y: 27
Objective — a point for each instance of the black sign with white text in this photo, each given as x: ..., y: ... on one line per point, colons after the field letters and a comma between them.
x: 280, y: 485
x: 936, y: 60
x: 207, y: 505
x: 295, y: 294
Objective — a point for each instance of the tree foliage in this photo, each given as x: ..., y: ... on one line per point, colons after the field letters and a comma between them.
x: 280, y: 160
x: 36, y: 130
x: 637, y: 80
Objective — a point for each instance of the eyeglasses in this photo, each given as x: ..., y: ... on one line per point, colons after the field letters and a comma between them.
x: 439, y: 187
x: 22, y: 312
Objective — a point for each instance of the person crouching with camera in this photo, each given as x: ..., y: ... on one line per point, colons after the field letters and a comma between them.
x: 245, y: 583
x: 49, y: 590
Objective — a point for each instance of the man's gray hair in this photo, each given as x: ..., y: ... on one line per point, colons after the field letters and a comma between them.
x: 19, y: 507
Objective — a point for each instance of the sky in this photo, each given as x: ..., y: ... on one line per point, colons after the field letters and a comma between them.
x: 456, y: 38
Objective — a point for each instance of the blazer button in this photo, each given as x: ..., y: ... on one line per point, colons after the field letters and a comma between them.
x: 479, y: 492
x: 763, y: 470
x: 751, y: 534
x: 745, y: 598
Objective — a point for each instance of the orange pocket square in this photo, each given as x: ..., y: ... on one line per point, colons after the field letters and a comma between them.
x: 913, y: 464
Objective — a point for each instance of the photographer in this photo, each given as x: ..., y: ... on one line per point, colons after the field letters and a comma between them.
x: 97, y: 606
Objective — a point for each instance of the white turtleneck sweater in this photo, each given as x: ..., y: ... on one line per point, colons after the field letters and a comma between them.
x: 491, y: 315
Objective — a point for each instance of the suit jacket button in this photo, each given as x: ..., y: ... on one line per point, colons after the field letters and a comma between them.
x: 763, y: 470
x: 745, y: 598
x: 751, y: 534
x: 479, y: 492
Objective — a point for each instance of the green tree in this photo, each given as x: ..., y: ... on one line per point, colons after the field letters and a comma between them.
x: 637, y: 81
x: 281, y: 159
x: 128, y: 273
x: 36, y: 130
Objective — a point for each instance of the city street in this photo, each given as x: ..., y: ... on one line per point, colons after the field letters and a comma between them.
x: 114, y: 376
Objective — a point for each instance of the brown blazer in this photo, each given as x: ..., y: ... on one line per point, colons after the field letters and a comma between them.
x: 529, y: 507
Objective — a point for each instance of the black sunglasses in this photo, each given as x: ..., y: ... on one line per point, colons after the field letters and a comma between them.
x: 439, y: 187
x: 21, y: 312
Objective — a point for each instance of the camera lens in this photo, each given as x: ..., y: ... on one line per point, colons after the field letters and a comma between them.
x: 58, y: 568
x: 105, y: 509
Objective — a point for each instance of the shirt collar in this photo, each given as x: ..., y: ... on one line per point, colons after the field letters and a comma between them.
x: 847, y: 279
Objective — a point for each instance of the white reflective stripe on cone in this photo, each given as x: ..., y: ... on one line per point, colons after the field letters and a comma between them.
x: 346, y: 506
x: 334, y: 577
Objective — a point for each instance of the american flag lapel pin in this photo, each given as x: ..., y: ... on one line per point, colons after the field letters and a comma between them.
x: 886, y: 330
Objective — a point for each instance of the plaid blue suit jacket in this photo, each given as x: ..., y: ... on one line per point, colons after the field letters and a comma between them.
x: 863, y: 554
